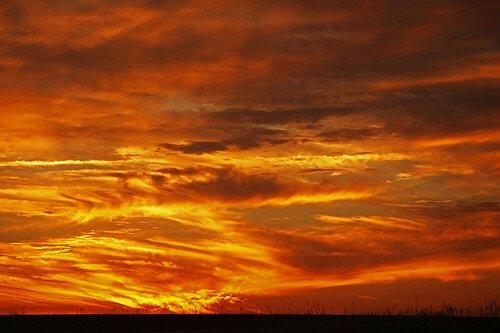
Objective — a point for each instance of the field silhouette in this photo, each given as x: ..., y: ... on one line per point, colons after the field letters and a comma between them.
x: 246, y: 323
x: 484, y: 317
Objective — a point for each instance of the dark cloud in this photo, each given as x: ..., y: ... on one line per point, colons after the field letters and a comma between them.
x: 488, y: 206
x: 318, y: 170
x: 14, y: 13
x: 226, y: 185
x: 347, y: 134
x: 342, y: 250
x: 196, y: 147
x: 244, y: 142
x: 232, y: 186
x: 248, y: 137
x: 165, y: 4
x: 323, y: 54
x: 179, y: 171
x: 345, y: 248
x: 277, y: 117
x: 444, y: 109
x: 232, y: 136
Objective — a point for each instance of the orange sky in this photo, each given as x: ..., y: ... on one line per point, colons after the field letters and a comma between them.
x: 180, y: 155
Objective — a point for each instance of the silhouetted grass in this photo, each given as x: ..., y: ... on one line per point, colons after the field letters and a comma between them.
x: 489, y: 307
x: 307, y: 317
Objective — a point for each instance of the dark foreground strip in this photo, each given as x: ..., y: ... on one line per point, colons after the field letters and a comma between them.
x: 243, y: 323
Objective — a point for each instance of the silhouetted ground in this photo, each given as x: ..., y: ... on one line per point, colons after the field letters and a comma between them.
x: 244, y: 323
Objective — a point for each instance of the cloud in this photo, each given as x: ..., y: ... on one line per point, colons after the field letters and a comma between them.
x: 346, y: 134
x: 231, y: 185
x: 228, y: 186
x: 249, y: 137
x: 89, y: 273
x: 306, y: 115
x: 197, y: 147
x: 446, y: 109
x: 377, y: 247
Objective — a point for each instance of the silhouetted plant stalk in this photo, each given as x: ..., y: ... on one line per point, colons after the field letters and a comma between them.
x: 488, y: 308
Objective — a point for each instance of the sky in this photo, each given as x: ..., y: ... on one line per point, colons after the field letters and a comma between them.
x: 185, y: 156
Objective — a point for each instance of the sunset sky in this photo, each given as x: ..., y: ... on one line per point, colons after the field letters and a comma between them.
x: 183, y: 155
